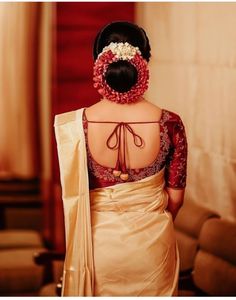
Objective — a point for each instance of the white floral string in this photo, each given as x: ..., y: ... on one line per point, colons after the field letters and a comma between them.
x: 122, y: 51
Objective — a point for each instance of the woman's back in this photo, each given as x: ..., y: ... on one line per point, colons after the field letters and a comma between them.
x: 98, y: 133
x: 151, y: 138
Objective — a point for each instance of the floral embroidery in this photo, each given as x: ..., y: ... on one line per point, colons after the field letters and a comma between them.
x: 172, y: 155
x: 176, y: 164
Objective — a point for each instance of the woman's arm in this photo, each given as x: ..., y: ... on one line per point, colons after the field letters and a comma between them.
x: 176, y: 198
x: 176, y: 167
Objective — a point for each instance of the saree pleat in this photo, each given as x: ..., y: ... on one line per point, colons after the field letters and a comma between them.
x: 120, y: 239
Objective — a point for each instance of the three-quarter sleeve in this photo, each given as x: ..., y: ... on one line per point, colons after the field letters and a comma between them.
x: 176, y: 165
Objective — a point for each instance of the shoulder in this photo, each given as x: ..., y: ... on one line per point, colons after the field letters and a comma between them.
x: 68, y: 127
x: 147, y: 111
x: 169, y: 116
x: 67, y: 117
x: 174, y: 124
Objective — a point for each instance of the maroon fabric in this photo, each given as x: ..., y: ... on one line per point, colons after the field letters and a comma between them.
x: 172, y: 156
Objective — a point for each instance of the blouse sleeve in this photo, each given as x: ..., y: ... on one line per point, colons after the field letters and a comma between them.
x: 176, y: 166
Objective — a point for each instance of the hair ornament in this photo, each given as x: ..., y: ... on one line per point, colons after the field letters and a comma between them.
x: 123, y: 51
x: 115, y: 52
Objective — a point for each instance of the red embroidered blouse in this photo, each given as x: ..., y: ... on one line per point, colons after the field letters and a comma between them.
x: 172, y: 156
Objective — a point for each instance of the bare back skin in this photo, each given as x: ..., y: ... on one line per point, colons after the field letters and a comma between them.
x: 98, y: 133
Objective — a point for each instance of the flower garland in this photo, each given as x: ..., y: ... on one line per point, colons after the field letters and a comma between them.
x: 112, y: 53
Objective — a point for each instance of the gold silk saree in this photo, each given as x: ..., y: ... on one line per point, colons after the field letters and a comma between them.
x: 120, y: 239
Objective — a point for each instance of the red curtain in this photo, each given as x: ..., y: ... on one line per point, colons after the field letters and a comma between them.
x: 76, y: 27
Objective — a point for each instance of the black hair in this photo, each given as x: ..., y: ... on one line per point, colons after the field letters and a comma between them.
x: 122, y: 75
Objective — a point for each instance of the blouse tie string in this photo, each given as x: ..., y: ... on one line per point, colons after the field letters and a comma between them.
x: 118, y: 133
x: 120, y: 169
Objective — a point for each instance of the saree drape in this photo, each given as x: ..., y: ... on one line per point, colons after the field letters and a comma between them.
x: 78, y: 273
x: 120, y: 239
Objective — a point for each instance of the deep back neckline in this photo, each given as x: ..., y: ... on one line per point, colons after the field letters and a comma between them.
x: 156, y: 161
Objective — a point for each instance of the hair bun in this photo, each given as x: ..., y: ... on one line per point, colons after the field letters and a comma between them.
x: 121, y: 76
x: 122, y: 32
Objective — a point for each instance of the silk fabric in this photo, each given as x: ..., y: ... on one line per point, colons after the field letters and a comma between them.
x: 120, y: 239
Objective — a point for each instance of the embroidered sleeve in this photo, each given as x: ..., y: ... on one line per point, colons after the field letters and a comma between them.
x: 176, y: 166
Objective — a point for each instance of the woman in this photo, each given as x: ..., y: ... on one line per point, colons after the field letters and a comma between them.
x: 123, y: 174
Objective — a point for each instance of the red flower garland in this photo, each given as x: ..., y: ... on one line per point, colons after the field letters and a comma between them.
x: 106, y: 91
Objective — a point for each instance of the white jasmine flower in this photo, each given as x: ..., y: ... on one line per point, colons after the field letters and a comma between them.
x: 123, y: 51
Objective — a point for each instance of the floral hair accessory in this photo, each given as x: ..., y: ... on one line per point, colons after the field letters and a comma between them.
x: 112, y: 53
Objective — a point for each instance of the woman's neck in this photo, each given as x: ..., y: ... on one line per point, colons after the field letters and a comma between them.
x: 115, y: 104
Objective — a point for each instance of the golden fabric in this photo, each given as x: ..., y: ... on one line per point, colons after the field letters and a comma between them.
x: 120, y: 240
x: 78, y: 271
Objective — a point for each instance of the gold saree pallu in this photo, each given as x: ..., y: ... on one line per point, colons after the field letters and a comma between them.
x: 120, y: 239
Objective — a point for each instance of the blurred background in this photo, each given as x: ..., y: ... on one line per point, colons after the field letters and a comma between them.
x: 46, y: 69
